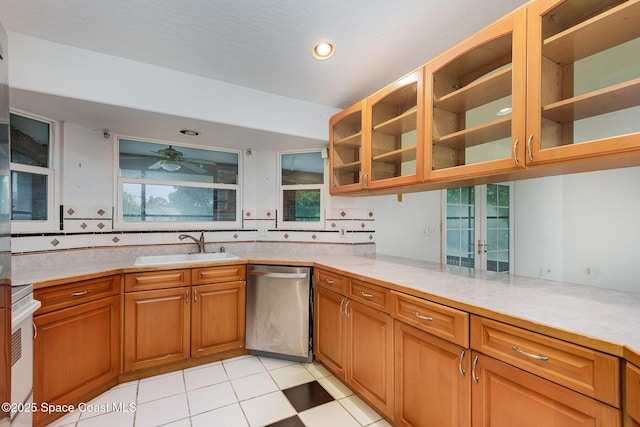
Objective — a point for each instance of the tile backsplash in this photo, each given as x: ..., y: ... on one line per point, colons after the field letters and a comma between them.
x: 92, y: 227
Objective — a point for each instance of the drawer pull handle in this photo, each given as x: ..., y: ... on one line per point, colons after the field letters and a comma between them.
x: 329, y: 281
x: 515, y: 152
x: 530, y: 355
x: 366, y: 295
x: 529, y: 146
x: 420, y: 316
x: 79, y: 294
x: 186, y: 300
x: 473, y: 370
x: 462, y: 371
x: 341, y: 310
x: 346, y: 308
x: 195, y: 296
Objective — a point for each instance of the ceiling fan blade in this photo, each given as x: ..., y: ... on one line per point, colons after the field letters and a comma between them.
x: 193, y: 167
x: 200, y: 162
x: 156, y: 165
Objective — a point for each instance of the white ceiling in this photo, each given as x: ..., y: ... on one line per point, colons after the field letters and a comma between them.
x: 264, y: 45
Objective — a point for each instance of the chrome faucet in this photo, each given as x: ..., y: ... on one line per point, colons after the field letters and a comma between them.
x: 199, y: 242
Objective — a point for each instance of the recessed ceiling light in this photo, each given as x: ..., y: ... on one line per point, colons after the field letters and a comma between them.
x: 323, y: 50
x: 189, y: 132
x: 504, y: 111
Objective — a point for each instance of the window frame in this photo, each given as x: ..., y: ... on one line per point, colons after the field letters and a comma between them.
x: 303, y: 225
x: 52, y: 223
x: 118, y: 219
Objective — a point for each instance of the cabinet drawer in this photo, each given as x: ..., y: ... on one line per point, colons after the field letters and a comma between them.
x: 439, y: 320
x: 581, y: 369
x: 372, y: 295
x: 225, y: 273
x: 157, y: 280
x: 331, y: 281
x: 62, y: 296
x: 633, y: 391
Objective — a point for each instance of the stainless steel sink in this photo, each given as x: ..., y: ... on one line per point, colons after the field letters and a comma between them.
x: 184, y: 258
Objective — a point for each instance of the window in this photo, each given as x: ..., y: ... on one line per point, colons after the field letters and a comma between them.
x: 302, y: 189
x: 161, y: 185
x: 32, y: 174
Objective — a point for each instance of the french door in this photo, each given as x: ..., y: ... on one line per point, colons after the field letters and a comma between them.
x: 479, y: 224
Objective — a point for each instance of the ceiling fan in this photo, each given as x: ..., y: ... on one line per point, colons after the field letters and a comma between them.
x: 173, y: 160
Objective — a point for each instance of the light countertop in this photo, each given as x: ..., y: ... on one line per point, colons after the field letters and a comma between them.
x: 602, y: 319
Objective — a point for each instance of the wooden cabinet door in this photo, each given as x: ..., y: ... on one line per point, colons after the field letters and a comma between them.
x: 370, y: 354
x: 76, y: 350
x: 505, y: 396
x: 330, y: 333
x: 156, y: 327
x: 583, y: 91
x: 632, y: 385
x: 217, y: 318
x: 476, y: 104
x: 348, y: 134
x: 432, y: 381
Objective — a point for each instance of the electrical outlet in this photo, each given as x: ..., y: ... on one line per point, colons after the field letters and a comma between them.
x: 588, y: 271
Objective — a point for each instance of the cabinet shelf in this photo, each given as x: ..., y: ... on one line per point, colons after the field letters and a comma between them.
x: 348, y: 167
x: 480, y: 92
x: 403, y: 123
x: 397, y: 156
x: 608, y: 29
x: 476, y: 135
x: 349, y: 141
x: 614, y: 98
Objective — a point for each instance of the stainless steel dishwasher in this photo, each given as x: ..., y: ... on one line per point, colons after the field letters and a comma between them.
x: 279, y: 312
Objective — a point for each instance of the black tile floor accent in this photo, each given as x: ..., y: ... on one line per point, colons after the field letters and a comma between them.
x: 303, y: 397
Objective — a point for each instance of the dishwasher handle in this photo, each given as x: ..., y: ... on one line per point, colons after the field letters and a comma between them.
x: 279, y: 275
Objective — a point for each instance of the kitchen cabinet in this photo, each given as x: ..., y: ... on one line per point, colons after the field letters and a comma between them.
x: 432, y: 363
x: 77, y: 342
x: 584, y: 79
x: 378, y: 142
x: 476, y: 104
x: 156, y: 318
x: 218, y: 310
x: 632, y: 401
x: 505, y: 396
x: 347, y: 152
x: 525, y: 378
x: 168, y: 320
x: 355, y: 340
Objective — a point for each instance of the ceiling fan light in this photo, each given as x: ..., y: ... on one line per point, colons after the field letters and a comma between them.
x: 170, y: 165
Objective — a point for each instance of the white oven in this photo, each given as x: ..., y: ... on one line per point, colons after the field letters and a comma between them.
x: 22, y: 308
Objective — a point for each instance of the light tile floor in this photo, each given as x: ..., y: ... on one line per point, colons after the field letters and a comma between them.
x: 243, y: 391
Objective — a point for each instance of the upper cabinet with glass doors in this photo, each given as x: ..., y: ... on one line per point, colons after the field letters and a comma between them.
x: 395, y: 154
x: 584, y: 81
x: 476, y: 112
x: 346, y: 136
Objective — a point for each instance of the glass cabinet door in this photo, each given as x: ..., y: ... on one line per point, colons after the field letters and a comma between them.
x: 584, y: 89
x: 476, y: 114
x: 396, y: 143
x: 346, y: 149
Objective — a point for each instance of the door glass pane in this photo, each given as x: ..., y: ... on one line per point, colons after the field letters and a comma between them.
x: 460, y: 227
x: 497, y: 228
x: 147, y: 202
x: 29, y: 141
x: 29, y: 196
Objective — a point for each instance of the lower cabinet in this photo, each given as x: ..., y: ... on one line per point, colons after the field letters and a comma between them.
x: 505, y: 396
x: 217, y: 318
x: 156, y: 327
x: 432, y: 380
x: 76, y: 352
x: 632, y: 402
x: 193, y: 313
x: 355, y: 342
